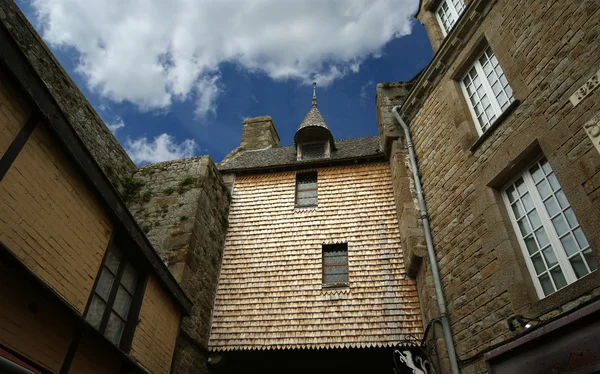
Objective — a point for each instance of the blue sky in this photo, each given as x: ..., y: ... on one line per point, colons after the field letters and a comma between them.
x: 196, y: 104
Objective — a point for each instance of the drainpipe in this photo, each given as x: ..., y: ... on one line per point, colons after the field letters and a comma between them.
x: 431, y: 252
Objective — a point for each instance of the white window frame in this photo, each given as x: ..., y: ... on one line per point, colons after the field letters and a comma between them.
x: 497, y: 109
x: 553, y: 237
x: 454, y: 12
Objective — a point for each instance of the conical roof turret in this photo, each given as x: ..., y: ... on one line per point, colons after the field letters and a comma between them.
x: 313, y: 127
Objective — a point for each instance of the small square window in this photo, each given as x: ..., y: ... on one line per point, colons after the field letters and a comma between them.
x: 555, y: 248
x: 114, y: 298
x: 486, y: 90
x: 335, y: 265
x: 447, y: 14
x: 306, y: 190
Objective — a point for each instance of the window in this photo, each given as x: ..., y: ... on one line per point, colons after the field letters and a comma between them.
x: 487, y: 90
x: 306, y: 189
x: 555, y: 248
x: 110, y: 309
x: 313, y: 151
x: 448, y: 12
x: 335, y: 265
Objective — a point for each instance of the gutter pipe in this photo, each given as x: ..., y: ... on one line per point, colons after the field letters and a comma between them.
x: 430, y: 250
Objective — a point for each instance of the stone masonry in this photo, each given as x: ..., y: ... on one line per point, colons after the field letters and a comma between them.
x: 547, y: 51
x: 183, y: 206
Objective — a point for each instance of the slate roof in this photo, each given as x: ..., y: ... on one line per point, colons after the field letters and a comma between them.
x: 347, y: 149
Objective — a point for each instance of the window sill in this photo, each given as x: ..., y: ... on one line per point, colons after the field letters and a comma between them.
x: 494, y: 126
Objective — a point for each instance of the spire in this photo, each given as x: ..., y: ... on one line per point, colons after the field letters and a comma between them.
x: 313, y: 127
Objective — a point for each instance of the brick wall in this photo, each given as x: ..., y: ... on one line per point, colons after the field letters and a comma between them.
x: 547, y: 51
x: 155, y: 335
x: 49, y: 219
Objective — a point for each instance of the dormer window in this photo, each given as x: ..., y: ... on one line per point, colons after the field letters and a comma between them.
x: 447, y: 14
x: 313, y: 151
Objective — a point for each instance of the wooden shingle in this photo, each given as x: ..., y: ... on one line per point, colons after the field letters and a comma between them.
x: 270, y: 293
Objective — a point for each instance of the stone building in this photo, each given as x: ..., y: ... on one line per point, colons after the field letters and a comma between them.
x: 317, y: 256
x: 506, y: 131
x: 312, y: 276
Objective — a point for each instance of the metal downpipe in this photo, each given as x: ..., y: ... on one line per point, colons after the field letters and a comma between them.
x: 430, y: 250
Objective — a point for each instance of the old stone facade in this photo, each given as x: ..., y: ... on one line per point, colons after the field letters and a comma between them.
x: 547, y: 51
x: 238, y: 259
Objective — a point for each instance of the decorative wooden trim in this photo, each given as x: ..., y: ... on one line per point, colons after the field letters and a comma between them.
x: 77, y: 335
x: 15, y: 147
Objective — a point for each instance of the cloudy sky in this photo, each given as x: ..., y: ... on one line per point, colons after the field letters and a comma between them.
x: 176, y: 78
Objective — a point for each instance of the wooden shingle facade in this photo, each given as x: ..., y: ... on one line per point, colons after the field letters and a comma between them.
x: 318, y: 272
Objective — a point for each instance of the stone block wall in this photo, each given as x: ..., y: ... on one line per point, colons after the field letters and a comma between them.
x: 547, y: 50
x: 97, y: 138
x: 183, y: 207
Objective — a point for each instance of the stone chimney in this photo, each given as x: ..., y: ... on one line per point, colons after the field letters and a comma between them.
x: 259, y: 133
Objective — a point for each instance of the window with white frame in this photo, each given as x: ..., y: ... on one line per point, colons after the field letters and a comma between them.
x: 447, y: 14
x: 556, y: 250
x: 487, y: 90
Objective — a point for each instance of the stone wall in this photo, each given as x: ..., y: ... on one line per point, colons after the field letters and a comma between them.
x: 547, y: 51
x: 183, y: 207
x: 259, y: 133
x: 97, y: 138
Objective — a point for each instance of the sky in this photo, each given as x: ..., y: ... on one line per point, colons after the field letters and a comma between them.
x: 176, y: 78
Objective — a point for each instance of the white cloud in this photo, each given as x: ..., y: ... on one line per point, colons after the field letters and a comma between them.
x: 115, y: 125
x: 155, y: 52
x: 364, y: 93
x: 162, y: 148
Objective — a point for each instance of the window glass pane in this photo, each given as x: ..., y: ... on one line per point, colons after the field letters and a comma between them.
x: 544, y: 189
x: 307, y: 194
x: 560, y: 225
x: 95, y: 312
x: 113, y: 258
x: 536, y: 173
x: 545, y: 165
x: 104, y: 284
x: 569, y: 245
x: 527, y: 202
x: 129, y: 278
x: 547, y: 285
x: 553, y: 182
x: 581, y: 240
x: 559, y: 278
x: 512, y: 194
x: 531, y: 245
x: 114, y: 328
x: 524, y: 227
x: 542, y: 237
x: 534, y: 219
x: 122, y: 302
x: 308, y: 201
x: 307, y: 186
x: 538, y: 264
x: 517, y: 210
x: 338, y: 276
x: 521, y: 186
x: 335, y: 257
x: 313, y: 151
x: 550, y: 256
x: 562, y: 199
x: 571, y: 218
x: 589, y: 258
x: 551, y: 206
x: 578, y: 266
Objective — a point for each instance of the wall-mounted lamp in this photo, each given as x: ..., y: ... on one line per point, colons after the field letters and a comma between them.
x: 519, y: 321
